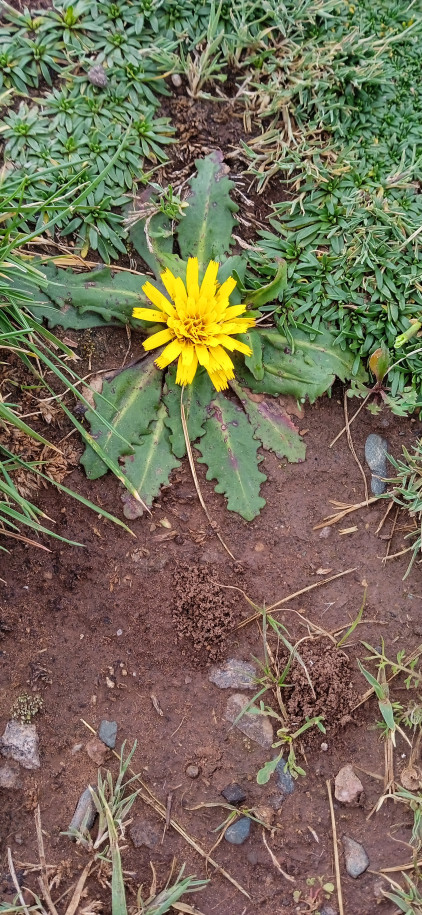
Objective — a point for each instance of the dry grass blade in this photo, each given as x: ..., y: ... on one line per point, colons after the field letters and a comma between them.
x: 345, y: 509
x: 149, y: 798
x: 275, y: 862
x: 284, y: 600
x: 350, y: 421
x: 43, y: 879
x: 15, y: 881
x: 77, y: 893
x: 335, y: 849
x: 195, y: 477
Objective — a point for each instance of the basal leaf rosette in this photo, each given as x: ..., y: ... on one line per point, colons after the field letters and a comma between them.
x: 200, y: 324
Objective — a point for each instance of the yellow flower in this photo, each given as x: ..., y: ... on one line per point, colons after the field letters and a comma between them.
x: 200, y: 322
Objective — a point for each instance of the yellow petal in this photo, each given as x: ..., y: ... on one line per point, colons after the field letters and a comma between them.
x: 223, y: 360
x: 210, y: 279
x: 233, y: 312
x: 202, y: 354
x: 148, y: 314
x: 239, y: 326
x: 226, y: 289
x: 157, y: 298
x: 219, y: 380
x: 186, y: 374
x: 169, y: 282
x: 192, y: 282
x: 163, y: 336
x: 187, y: 353
x: 231, y: 344
x: 171, y: 352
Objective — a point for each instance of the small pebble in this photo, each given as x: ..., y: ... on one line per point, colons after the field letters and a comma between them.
x: 234, y: 794
x: 18, y: 839
x: 85, y: 812
x: 376, y: 449
x: 192, y: 771
x: 142, y: 833
x: 97, y: 76
x: 256, y: 725
x: 176, y: 80
x: 325, y: 532
x: 20, y: 742
x: 234, y: 674
x: 9, y: 776
x: 238, y: 832
x: 324, y: 746
x: 355, y: 857
x: 119, y: 632
x: 107, y: 732
x: 348, y: 787
x: 97, y: 751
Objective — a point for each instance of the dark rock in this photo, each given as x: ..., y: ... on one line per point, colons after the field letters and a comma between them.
x: 142, y: 833
x: 285, y: 781
x: 107, y: 732
x: 238, y: 832
x: 376, y: 448
x: 355, y: 857
x: 20, y: 742
x: 85, y: 812
x: 234, y: 794
x: 234, y: 674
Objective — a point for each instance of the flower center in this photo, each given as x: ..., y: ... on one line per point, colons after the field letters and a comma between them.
x: 190, y: 328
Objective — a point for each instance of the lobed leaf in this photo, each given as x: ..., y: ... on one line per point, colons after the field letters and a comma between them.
x: 150, y: 465
x: 272, y: 426
x: 229, y: 450
x: 206, y: 229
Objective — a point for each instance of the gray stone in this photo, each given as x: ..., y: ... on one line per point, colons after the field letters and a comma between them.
x: 142, y: 833
x: 234, y: 794
x: 238, y: 832
x: 192, y: 771
x: 355, y: 857
x: 98, y: 76
x: 9, y: 776
x: 348, y: 787
x: 376, y: 448
x: 85, y: 812
x: 20, y: 742
x: 234, y: 674
x: 107, y: 732
x: 285, y: 780
x: 254, y: 723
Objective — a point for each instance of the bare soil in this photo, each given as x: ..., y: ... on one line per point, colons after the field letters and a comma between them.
x: 125, y: 628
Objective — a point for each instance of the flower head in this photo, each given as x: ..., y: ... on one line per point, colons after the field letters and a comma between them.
x: 200, y: 323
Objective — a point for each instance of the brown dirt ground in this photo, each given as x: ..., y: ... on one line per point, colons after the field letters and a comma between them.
x: 62, y: 613
x: 109, y: 630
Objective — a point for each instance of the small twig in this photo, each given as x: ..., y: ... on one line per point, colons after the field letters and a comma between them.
x: 393, y: 528
x: 195, y: 478
x: 335, y: 846
x: 384, y: 517
x: 43, y: 879
x: 352, y: 447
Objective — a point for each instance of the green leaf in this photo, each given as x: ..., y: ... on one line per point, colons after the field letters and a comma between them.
x: 229, y: 450
x: 80, y: 300
x: 263, y: 775
x: 128, y: 402
x: 273, y: 427
x: 254, y: 362
x: 160, y: 239
x: 308, y: 371
x: 206, y: 228
x: 196, y: 398
x: 379, y: 363
x: 150, y: 465
x: 264, y: 294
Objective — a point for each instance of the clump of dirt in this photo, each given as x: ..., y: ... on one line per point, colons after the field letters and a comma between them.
x: 333, y: 695
x: 202, y: 613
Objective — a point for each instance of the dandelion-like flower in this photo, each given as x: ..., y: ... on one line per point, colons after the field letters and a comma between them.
x: 200, y: 323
